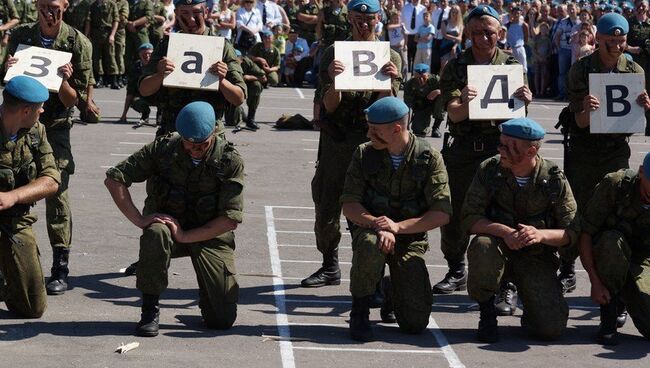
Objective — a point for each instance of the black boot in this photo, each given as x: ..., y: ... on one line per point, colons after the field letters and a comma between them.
x: 58, y: 282
x: 455, y: 279
x: 328, y: 274
x: 130, y: 271
x: 435, y: 131
x: 114, y: 84
x: 568, y: 276
x: 607, y: 334
x: 360, y: 319
x: 387, y: 311
x: 99, y: 82
x: 150, y: 317
x: 250, y: 120
x: 487, y: 325
x: 506, y: 299
x: 621, y: 312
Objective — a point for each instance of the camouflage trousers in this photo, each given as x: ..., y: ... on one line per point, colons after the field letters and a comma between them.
x: 625, y: 274
x: 411, y: 287
x: 141, y: 105
x: 421, y: 119
x: 327, y: 187
x: 214, y: 264
x: 104, y: 56
x: 585, y: 167
x: 273, y: 79
x: 58, y: 214
x: 24, y: 292
x: 462, y: 159
x: 254, y: 93
x: 120, y: 50
x: 533, y: 270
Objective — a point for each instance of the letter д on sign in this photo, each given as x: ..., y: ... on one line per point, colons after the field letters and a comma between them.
x: 39, y: 63
x: 192, y: 56
x: 496, y: 85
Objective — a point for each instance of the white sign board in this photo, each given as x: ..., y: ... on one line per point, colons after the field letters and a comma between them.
x: 496, y: 85
x: 192, y: 56
x: 618, y: 111
x: 363, y: 61
x: 39, y: 63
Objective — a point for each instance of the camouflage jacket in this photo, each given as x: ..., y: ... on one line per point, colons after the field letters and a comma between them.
x: 271, y: 56
x: 249, y: 67
x: 77, y: 13
x: 335, y: 25
x: 27, y: 12
x: 101, y: 15
x: 415, y: 95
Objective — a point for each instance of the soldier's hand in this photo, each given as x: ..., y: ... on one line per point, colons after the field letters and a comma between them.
x: 220, y: 69
x: 390, y: 69
x: 165, y: 66
x: 512, y: 242
x: 599, y: 293
x: 7, y: 200
x: 523, y: 93
x: 386, y: 242
x: 335, y: 68
x: 528, y: 235
x: 643, y: 100
x: 11, y: 61
x: 130, y: 27
x: 111, y: 39
x: 146, y: 221
x: 386, y: 224
x: 92, y: 108
x: 590, y: 103
x: 433, y: 94
x: 263, y: 79
x: 65, y: 71
x: 175, y: 228
x: 468, y: 93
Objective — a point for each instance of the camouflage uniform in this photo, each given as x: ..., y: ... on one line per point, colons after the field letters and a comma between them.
x: 24, y: 160
x: 254, y: 89
x: 76, y: 14
x: 58, y: 120
x: 139, y: 103
x: 172, y: 100
x: 473, y: 142
x: 27, y: 12
x: 137, y: 10
x: 7, y: 12
x: 194, y: 195
x: 545, y: 202
x: 292, y: 14
x: 344, y: 130
x: 415, y: 97
x: 101, y: 15
x: 417, y: 186
x: 308, y: 31
x: 335, y: 25
x: 120, y: 35
x: 156, y: 28
x: 620, y: 227
x: 271, y: 56
x: 639, y: 36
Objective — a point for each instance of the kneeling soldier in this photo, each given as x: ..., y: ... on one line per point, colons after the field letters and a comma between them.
x: 522, y: 209
x: 395, y: 191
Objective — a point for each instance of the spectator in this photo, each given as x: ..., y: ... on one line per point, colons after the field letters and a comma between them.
x: 452, y: 34
x: 249, y: 24
x: 224, y: 20
x: 397, y: 38
x: 291, y: 62
x: 305, y: 61
x: 502, y: 41
x: 562, y: 41
x: 170, y: 16
x: 412, y: 18
x: 438, y: 17
x: 542, y: 54
x: 584, y: 46
x: 425, y: 41
x: 270, y: 14
x: 279, y: 39
x: 307, y: 19
x: 517, y: 36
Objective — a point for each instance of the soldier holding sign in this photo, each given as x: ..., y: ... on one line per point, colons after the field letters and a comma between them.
x: 190, y: 16
x: 343, y: 128
x: 472, y: 141
x: 589, y: 157
x: 53, y: 33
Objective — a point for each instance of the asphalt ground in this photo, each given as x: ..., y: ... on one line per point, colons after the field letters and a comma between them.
x: 279, y: 323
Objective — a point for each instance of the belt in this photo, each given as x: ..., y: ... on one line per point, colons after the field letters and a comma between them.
x: 477, y: 143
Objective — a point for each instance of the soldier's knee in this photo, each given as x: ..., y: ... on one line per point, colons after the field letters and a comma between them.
x: 221, y: 319
x: 413, y: 321
x: 154, y: 238
x: 549, y: 330
x: 482, y: 248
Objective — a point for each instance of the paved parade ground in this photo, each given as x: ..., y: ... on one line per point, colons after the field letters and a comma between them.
x: 279, y: 324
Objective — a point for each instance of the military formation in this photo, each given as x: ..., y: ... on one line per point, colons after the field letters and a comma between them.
x: 496, y: 200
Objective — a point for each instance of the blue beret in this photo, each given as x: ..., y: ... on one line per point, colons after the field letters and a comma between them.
x: 522, y: 128
x: 386, y: 110
x: 195, y: 122
x: 27, y: 89
x: 646, y: 166
x: 145, y: 46
x: 482, y: 10
x: 613, y: 24
x: 237, y: 53
x: 267, y: 34
x: 188, y: 2
x: 299, y: 48
x: 421, y: 68
x: 364, y: 6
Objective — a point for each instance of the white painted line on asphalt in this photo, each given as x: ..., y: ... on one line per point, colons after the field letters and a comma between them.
x: 316, y: 301
x: 134, y: 143
x: 108, y: 167
x: 369, y: 350
x: 551, y: 149
x: 546, y: 119
x: 344, y: 263
x: 310, y: 149
x: 309, y: 246
x: 301, y: 278
x: 640, y: 143
x: 300, y: 93
x: 311, y: 162
x: 319, y: 324
x: 447, y: 350
x: 286, y: 350
x: 299, y: 219
x: 300, y: 232
x: 121, y: 154
x: 309, y: 140
x: 294, y: 207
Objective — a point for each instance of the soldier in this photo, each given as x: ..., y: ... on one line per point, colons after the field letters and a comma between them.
x: 195, y: 180
x: 255, y: 79
x: 156, y: 31
x: 26, y: 11
x: 29, y: 175
x: 76, y: 14
x: 307, y: 18
x: 421, y: 94
x: 521, y: 208
x: 133, y: 98
x: 614, y: 249
x: 589, y: 157
x: 139, y: 19
x: 472, y: 141
x: 9, y: 18
x: 52, y: 32
x: 190, y: 18
x: 332, y: 23
x: 395, y: 191
x: 101, y: 26
x: 343, y: 129
x: 120, y: 39
x: 267, y: 57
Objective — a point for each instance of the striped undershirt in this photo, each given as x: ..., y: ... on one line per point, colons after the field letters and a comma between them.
x: 522, y: 180
x: 396, y: 160
x: 47, y: 42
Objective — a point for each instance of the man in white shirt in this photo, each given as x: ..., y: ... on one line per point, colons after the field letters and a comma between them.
x: 270, y: 13
x: 437, y: 18
x: 412, y: 19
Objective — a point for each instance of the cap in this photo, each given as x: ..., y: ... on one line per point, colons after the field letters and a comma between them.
x: 613, y: 24
x: 386, y: 110
x: 195, y: 122
x: 522, y: 128
x: 27, y: 89
x: 237, y: 53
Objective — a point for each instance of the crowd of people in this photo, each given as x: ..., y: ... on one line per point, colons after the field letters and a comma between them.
x: 488, y: 181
